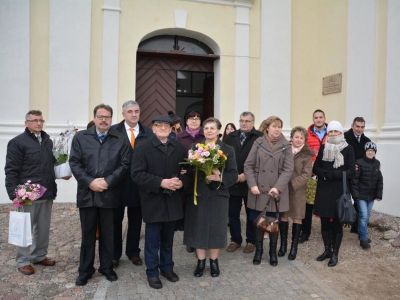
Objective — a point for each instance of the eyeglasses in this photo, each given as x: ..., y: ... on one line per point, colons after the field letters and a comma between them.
x: 36, y: 121
x: 194, y: 118
x: 162, y: 125
x: 103, y: 118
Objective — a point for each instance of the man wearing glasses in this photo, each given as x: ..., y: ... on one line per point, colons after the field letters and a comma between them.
x: 241, y: 140
x: 155, y: 168
x: 99, y: 160
x: 30, y: 157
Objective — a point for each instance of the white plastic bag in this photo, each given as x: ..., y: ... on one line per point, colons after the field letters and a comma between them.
x: 19, y: 229
x: 62, y: 170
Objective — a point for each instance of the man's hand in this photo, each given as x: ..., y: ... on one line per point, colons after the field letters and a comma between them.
x: 98, y: 185
x: 241, y: 177
x: 254, y: 190
x: 172, y: 184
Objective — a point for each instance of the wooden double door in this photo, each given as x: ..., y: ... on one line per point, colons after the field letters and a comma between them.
x: 174, y: 82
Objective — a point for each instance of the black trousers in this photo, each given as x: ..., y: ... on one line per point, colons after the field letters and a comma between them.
x: 133, y: 233
x: 91, y: 217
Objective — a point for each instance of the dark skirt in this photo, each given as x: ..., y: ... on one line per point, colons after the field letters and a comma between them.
x: 206, y: 223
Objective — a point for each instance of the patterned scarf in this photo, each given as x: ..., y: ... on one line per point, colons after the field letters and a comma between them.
x: 193, y: 132
x: 333, y: 146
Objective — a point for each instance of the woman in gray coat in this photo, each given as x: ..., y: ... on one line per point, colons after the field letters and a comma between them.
x: 206, y: 223
x: 268, y: 170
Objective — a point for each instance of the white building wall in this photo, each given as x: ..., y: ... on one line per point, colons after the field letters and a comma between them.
x: 389, y: 138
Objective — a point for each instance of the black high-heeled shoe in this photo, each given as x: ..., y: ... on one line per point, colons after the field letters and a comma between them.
x: 201, y: 265
x: 214, y: 267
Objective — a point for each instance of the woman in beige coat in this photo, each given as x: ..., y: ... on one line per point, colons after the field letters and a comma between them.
x: 268, y: 169
x: 297, y: 191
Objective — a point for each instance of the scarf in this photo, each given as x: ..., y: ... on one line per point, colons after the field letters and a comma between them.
x: 193, y: 132
x: 333, y: 146
x: 296, y: 150
x: 271, y: 140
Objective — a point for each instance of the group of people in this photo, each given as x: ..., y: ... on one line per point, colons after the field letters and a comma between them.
x: 129, y: 165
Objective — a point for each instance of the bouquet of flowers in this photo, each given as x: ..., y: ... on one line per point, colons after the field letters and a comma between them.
x: 206, y: 158
x: 26, y: 193
x: 61, y: 148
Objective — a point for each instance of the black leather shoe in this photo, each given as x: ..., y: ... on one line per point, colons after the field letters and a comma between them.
x: 326, y: 254
x: 154, y: 282
x: 110, y: 275
x: 115, y: 263
x: 170, y: 276
x: 303, y: 238
x: 201, y: 265
x: 333, y: 260
x: 82, y: 280
x: 214, y: 267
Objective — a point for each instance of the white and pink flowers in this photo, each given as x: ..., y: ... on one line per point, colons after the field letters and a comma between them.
x: 28, y: 192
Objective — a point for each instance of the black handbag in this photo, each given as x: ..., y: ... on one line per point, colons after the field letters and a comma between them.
x: 345, y: 210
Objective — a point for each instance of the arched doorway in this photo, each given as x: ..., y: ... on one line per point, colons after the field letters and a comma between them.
x: 174, y: 73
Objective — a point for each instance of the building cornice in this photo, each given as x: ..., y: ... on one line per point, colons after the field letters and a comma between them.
x: 235, y: 3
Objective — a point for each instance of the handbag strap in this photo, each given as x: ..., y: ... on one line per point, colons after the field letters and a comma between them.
x: 344, y: 182
x: 264, y: 211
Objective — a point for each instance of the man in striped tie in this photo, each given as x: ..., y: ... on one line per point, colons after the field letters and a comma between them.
x: 135, y: 133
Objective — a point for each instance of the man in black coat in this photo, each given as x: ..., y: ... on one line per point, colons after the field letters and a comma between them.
x: 155, y: 168
x: 135, y: 134
x: 241, y: 140
x: 30, y: 157
x: 356, y: 138
x: 99, y: 161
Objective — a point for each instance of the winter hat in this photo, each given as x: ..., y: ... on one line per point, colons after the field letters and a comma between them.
x: 370, y: 145
x: 334, y: 125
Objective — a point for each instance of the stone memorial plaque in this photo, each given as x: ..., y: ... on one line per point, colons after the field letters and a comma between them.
x: 332, y: 84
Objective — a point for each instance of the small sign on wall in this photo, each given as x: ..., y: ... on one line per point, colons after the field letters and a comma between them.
x: 332, y: 84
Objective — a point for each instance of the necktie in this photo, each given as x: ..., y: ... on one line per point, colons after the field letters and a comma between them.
x: 39, y: 138
x: 132, y: 139
x: 358, y: 138
x: 101, y: 137
x: 242, y: 138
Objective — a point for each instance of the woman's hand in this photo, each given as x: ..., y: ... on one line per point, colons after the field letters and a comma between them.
x: 215, y: 176
x: 273, y: 192
x: 254, y: 190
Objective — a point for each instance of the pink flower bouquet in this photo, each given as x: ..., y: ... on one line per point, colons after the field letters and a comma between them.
x: 26, y: 193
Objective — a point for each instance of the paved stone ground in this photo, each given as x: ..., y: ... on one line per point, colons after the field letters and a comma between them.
x: 300, y: 279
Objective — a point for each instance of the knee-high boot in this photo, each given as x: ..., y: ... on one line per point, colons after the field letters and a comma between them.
x: 283, y: 230
x: 273, y: 243
x: 337, y: 241
x: 296, y: 228
x: 326, y: 237
x: 259, y: 247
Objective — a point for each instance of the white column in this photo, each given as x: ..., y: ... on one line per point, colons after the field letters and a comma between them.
x: 14, y: 59
x: 241, y: 60
x: 111, y: 16
x: 389, y: 138
x: 361, y: 73
x: 69, y: 61
x: 14, y: 75
x: 276, y: 60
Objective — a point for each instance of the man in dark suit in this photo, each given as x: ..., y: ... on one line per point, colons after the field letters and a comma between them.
x: 356, y: 138
x: 99, y: 160
x: 134, y: 133
x: 155, y: 168
x: 241, y: 140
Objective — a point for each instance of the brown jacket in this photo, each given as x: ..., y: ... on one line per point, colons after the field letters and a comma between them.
x: 298, y: 184
x: 269, y: 166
